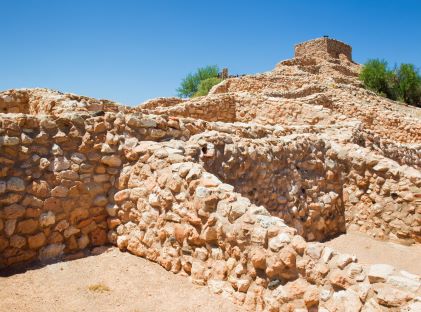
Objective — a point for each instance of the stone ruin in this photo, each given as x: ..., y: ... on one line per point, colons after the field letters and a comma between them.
x: 236, y: 190
x: 324, y: 47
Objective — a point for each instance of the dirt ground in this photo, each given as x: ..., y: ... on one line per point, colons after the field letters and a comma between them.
x: 371, y: 251
x: 116, y: 281
x: 112, y: 281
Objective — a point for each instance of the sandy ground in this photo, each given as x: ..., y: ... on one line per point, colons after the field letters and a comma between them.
x: 134, y: 284
x: 371, y: 251
x: 116, y: 281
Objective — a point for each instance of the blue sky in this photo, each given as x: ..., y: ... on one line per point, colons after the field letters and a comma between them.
x: 130, y: 51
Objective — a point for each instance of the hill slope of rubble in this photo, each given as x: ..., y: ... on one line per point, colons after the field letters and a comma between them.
x: 237, y: 190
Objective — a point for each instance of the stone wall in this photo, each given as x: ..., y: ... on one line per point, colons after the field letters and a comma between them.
x: 242, y: 107
x: 404, y: 154
x: 170, y: 210
x: 16, y: 102
x: 49, y: 102
x: 161, y: 102
x: 145, y: 183
x: 293, y: 178
x: 50, y: 163
x: 323, y: 47
x: 216, y: 109
x: 381, y: 197
x: 58, y: 177
x: 54, y: 188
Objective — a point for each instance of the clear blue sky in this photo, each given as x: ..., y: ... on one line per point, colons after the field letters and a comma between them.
x: 130, y: 51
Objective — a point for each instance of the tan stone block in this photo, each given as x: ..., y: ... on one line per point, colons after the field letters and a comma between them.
x: 37, y: 241
x: 55, y: 237
x: 17, y: 241
x: 33, y: 212
x: 98, y: 237
x: 28, y: 226
x: 113, y: 223
x: 13, y: 211
x: 71, y: 243
x: 53, y: 204
x: 339, y: 279
x: 259, y: 259
x: 78, y: 214
x: 39, y: 189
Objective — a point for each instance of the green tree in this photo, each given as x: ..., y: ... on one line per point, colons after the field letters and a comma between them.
x: 190, y: 84
x: 377, y: 77
x: 206, y: 85
x: 408, y: 84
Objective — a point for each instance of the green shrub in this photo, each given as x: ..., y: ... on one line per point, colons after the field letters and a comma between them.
x: 377, y: 77
x: 403, y: 83
x: 206, y: 85
x: 190, y: 84
x: 408, y: 84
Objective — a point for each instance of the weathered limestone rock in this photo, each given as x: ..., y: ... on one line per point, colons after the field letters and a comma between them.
x: 59, y: 191
x: 348, y: 300
x: 15, y: 184
x: 392, y: 297
x: 36, y: 241
x: 17, y: 241
x: 9, y: 141
x: 51, y: 251
x: 27, y: 226
x: 10, y: 227
x: 112, y: 160
x: 379, y: 272
x: 409, y: 284
x: 60, y: 164
x: 47, y: 219
x: 13, y: 211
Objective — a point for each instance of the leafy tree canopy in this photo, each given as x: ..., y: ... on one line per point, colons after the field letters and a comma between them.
x: 402, y: 83
x: 190, y: 84
x: 206, y: 85
x: 408, y: 84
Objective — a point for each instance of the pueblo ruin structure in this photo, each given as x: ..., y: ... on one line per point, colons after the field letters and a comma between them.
x: 323, y: 47
x: 236, y: 190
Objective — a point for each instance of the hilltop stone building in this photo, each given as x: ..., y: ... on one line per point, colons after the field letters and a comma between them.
x: 323, y: 47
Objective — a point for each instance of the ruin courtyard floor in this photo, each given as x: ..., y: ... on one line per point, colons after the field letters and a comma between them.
x: 137, y: 285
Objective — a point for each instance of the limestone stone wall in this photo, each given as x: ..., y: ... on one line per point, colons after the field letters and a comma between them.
x: 242, y: 107
x: 381, y: 197
x: 323, y: 47
x: 404, y: 154
x: 58, y: 177
x: 270, y: 110
x: 49, y: 102
x: 170, y: 210
x: 146, y: 184
x: 216, y: 109
x: 161, y: 102
x: 53, y: 188
x: 16, y: 102
x: 293, y: 179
